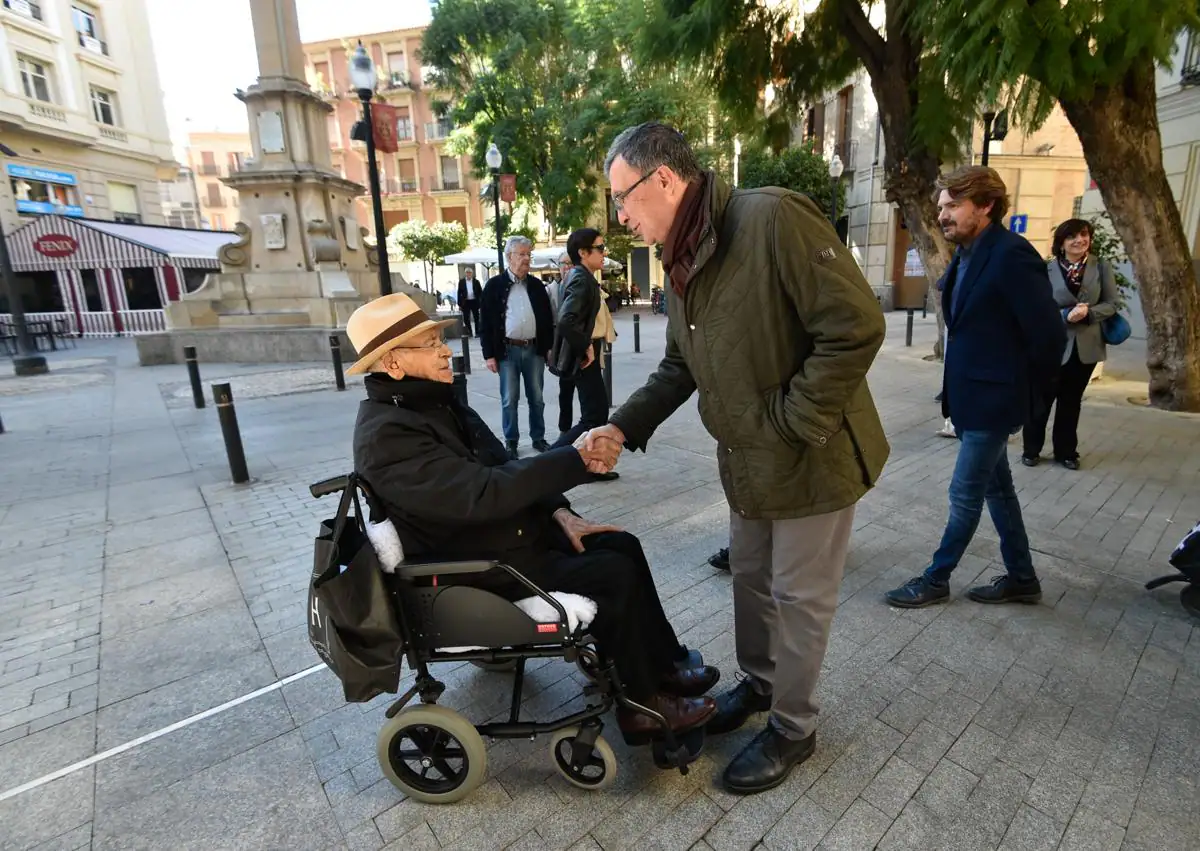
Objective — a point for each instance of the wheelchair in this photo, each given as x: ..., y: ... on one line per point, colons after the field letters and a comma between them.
x: 436, y: 755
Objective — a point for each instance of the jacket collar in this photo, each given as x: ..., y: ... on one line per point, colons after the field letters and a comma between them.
x: 414, y: 393
x: 717, y: 195
x: 978, y: 257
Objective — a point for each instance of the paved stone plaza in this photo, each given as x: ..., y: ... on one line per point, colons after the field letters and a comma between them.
x: 139, y: 588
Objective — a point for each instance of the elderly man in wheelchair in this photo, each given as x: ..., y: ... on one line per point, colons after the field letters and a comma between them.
x: 447, y: 485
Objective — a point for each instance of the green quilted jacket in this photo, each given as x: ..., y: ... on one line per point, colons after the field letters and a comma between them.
x: 776, y: 330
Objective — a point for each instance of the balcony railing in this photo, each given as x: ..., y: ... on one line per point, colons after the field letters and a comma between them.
x: 405, y: 132
x: 434, y: 184
x: 847, y: 151
x: 438, y: 130
x: 215, y: 202
x: 114, y: 134
x: 47, y: 112
x: 210, y: 169
x: 398, y: 80
x: 403, y: 186
x: 326, y: 92
x: 25, y: 8
x: 93, y: 45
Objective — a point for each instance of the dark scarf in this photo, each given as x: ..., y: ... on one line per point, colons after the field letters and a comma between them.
x: 679, y: 249
x: 1073, y: 273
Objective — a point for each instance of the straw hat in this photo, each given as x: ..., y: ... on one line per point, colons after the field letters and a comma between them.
x: 385, y: 324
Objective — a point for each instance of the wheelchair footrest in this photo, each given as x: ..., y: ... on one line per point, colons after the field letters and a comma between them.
x: 689, y: 747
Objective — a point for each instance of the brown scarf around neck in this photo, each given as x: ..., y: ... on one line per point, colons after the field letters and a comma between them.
x: 679, y: 249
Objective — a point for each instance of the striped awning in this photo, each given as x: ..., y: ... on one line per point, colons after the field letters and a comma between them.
x: 51, y: 243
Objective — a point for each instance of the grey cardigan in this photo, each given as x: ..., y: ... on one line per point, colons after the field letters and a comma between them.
x: 1099, y: 292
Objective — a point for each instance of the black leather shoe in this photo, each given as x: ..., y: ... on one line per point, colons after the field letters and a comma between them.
x: 720, y: 559
x: 1006, y: 589
x: 690, y: 682
x: 767, y: 761
x: 610, y: 476
x: 917, y: 593
x: 513, y: 455
x: 688, y: 658
x: 735, y: 706
x: 1030, y: 460
x: 541, y: 446
x: 1071, y: 463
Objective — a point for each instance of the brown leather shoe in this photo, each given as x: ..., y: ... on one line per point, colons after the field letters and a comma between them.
x: 682, y: 713
x: 691, y: 682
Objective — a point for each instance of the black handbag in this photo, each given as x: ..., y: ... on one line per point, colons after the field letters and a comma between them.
x: 352, y: 623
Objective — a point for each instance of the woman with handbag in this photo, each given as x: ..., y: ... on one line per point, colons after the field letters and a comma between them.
x: 1086, y: 290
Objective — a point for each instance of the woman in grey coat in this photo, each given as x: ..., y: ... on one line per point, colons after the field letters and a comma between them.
x: 1086, y: 290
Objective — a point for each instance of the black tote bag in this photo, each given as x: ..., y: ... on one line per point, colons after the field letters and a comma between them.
x: 351, y: 620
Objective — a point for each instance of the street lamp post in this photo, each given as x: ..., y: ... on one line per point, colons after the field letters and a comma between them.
x: 835, y: 174
x: 988, y: 118
x: 27, y: 361
x: 995, y: 128
x: 494, y: 158
x: 364, y: 80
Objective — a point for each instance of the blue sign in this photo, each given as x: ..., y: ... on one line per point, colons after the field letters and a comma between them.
x: 1018, y: 223
x: 45, y: 208
x: 45, y: 175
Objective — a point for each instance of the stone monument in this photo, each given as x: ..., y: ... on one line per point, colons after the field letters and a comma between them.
x: 299, y: 267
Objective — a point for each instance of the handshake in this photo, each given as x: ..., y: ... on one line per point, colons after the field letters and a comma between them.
x: 600, y: 448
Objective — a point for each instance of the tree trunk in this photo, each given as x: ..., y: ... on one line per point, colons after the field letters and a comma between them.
x: 1118, y: 129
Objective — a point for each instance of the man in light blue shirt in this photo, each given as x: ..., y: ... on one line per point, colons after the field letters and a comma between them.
x: 516, y: 331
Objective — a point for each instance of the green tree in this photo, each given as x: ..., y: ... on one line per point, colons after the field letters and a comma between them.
x: 429, y: 244
x: 798, y: 168
x: 1098, y: 61
x: 746, y: 46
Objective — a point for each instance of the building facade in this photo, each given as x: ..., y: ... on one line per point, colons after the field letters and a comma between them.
x: 180, y: 204
x: 212, y: 156
x: 423, y: 180
x: 81, y: 107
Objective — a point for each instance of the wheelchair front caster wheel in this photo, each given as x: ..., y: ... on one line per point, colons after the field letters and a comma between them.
x: 497, y: 667
x: 593, y: 771
x: 432, y: 754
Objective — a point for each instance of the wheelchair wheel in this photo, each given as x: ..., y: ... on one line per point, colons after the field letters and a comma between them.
x: 432, y: 754
x: 497, y: 667
x: 598, y: 771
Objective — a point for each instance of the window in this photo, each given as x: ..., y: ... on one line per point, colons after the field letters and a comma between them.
x: 45, y: 196
x: 391, y: 218
x: 404, y: 124
x: 123, y: 198
x: 1077, y: 206
x: 35, y: 77
x: 87, y: 29
x: 234, y: 162
x: 218, y: 222
x: 397, y: 68
x: 450, y: 173
x: 104, y: 107
x: 455, y: 214
x: 26, y: 8
x: 208, y: 163
x: 845, y: 109
x: 1189, y: 74
x: 214, y: 198
x: 321, y: 72
x: 408, y: 175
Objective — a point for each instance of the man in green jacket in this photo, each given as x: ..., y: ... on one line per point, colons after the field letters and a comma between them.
x: 772, y: 322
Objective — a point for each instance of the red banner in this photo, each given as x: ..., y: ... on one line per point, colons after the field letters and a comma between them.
x: 508, y: 188
x: 383, y: 119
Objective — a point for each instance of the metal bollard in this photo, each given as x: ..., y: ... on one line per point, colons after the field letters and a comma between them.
x: 466, y: 354
x: 223, y: 398
x: 637, y: 333
x: 193, y: 368
x: 608, y: 372
x: 335, y: 349
x: 460, y: 379
x: 1, y: 426
x: 909, y: 328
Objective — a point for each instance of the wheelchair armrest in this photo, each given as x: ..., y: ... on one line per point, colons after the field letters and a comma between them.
x: 442, y: 568
x: 335, y: 485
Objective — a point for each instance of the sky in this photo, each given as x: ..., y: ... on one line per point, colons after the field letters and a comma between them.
x: 206, y: 51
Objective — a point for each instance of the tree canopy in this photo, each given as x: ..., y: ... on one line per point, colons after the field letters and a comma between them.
x: 428, y: 243
x: 798, y: 168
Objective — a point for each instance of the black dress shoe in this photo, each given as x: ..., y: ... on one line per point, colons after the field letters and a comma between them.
x: 767, y: 761
x: 513, y: 455
x: 720, y: 559
x: 541, y: 446
x: 688, y: 658
x: 1005, y: 589
x: 737, y: 705
x: 917, y: 593
x: 610, y: 476
x: 1030, y: 460
x: 1071, y: 463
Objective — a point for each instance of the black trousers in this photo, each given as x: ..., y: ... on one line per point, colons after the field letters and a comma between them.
x: 1067, y: 396
x: 470, y: 313
x: 593, y: 395
x: 631, y: 628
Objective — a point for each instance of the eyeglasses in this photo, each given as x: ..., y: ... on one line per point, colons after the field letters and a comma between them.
x: 620, y: 197
x: 601, y: 248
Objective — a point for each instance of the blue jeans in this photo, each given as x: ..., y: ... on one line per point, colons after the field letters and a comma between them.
x: 982, y: 474
x: 522, y: 363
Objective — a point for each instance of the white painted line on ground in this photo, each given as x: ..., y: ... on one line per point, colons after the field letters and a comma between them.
x: 149, y: 737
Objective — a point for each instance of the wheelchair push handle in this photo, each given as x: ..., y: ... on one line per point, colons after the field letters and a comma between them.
x: 324, y: 488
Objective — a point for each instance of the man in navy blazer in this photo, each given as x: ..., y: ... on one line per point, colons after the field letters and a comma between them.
x: 1004, y: 345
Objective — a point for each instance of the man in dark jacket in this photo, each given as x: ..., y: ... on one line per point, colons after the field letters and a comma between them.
x: 575, y: 340
x: 772, y: 321
x: 470, y: 296
x: 1005, y: 339
x: 452, y: 492
x: 516, y: 332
